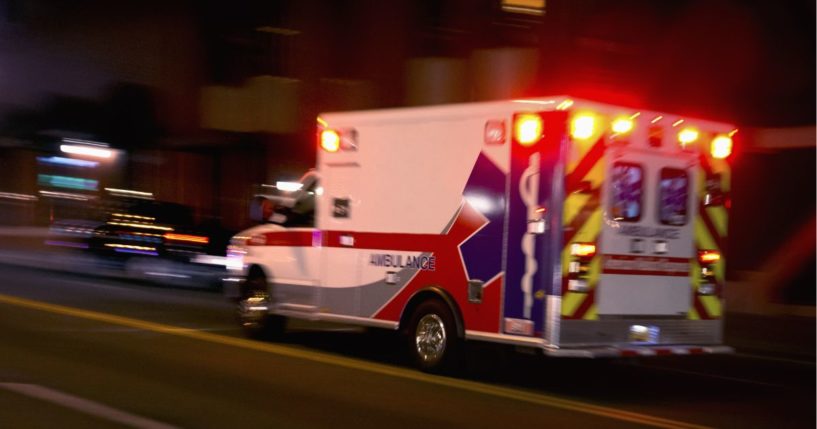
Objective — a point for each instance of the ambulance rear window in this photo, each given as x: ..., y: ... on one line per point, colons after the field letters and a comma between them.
x: 673, y: 196
x: 627, y: 189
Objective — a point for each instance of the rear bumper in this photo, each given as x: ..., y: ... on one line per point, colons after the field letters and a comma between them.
x: 636, y: 351
x: 619, y: 331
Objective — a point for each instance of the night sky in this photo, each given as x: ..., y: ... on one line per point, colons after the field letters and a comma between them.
x: 748, y: 62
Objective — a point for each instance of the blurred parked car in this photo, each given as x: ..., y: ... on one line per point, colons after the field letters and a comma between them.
x: 146, y: 238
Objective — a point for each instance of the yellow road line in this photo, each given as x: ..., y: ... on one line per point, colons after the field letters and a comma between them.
x: 324, y: 358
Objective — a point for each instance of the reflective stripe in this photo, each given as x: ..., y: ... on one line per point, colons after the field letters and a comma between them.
x: 582, y: 221
x: 711, y: 227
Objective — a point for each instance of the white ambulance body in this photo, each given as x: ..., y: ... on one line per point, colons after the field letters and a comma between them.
x: 577, y: 228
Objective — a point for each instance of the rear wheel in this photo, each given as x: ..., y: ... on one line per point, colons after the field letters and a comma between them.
x: 432, y: 338
x: 252, y: 310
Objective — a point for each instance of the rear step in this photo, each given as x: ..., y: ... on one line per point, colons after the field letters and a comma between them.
x: 636, y: 351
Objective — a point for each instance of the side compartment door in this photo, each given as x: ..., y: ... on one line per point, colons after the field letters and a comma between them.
x: 534, y: 198
x: 342, y: 258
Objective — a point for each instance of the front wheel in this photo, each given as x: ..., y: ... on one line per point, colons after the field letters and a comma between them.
x: 432, y: 338
x: 252, y: 310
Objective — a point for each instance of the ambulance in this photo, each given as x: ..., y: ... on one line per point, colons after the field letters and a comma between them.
x: 563, y: 225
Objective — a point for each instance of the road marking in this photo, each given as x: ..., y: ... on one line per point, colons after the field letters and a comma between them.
x: 776, y: 359
x: 84, y: 406
x: 350, y: 363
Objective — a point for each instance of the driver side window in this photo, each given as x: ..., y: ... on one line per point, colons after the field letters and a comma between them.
x: 302, y: 212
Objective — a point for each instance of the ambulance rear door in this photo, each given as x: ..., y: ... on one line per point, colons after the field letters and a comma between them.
x: 647, y: 232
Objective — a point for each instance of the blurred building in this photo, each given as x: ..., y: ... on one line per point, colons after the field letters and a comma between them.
x: 208, y: 98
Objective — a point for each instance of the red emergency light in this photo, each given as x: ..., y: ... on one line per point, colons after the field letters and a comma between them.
x: 330, y: 140
x: 623, y: 125
x: 583, y: 126
x: 721, y: 147
x: 687, y: 136
x: 528, y: 128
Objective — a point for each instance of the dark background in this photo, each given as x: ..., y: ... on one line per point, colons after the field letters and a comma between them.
x: 140, y: 75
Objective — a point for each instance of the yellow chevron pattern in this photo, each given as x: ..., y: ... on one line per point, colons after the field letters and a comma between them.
x: 587, y: 232
x: 708, y: 239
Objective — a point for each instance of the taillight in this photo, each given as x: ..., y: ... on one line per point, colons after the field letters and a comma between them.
x: 528, y: 128
x: 709, y: 256
x: 707, y: 260
x: 579, y: 267
x: 330, y: 140
x: 583, y: 250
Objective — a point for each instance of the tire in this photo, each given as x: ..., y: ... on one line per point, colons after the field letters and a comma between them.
x: 252, y: 309
x: 431, y: 338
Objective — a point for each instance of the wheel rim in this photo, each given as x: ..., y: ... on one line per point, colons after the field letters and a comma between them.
x: 430, y: 339
x: 254, y: 306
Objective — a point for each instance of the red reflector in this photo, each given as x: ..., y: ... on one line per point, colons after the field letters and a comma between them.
x: 495, y: 132
x: 709, y: 256
x: 189, y: 238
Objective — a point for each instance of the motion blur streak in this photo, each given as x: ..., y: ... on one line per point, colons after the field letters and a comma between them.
x: 185, y: 237
x: 87, y: 151
x: 534, y: 398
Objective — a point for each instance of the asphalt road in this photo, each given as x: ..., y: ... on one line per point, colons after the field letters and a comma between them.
x: 79, y: 351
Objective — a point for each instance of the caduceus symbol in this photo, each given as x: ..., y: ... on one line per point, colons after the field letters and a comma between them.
x: 529, y: 191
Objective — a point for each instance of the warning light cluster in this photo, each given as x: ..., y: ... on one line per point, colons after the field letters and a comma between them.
x: 589, y: 126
